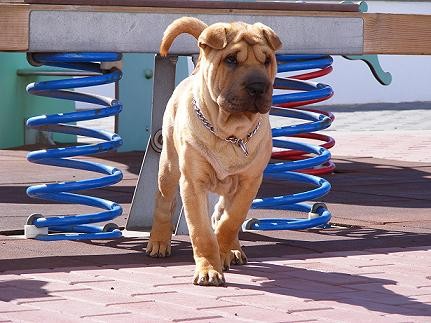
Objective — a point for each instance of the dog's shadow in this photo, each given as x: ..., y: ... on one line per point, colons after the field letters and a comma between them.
x: 314, y: 286
x: 309, y: 281
x: 317, y: 285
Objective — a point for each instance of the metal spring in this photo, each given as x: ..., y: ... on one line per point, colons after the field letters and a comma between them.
x: 76, y: 227
x: 300, y: 160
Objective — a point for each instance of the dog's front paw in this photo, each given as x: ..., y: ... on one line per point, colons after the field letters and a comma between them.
x: 158, y: 249
x: 207, y: 275
x: 234, y: 256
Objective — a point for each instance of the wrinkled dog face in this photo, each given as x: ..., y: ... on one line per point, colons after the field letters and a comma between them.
x: 240, y: 65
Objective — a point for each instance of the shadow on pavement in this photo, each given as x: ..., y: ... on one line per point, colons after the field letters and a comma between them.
x: 126, y: 251
x: 342, y: 240
x: 373, y: 294
x: 353, y: 289
x: 367, y: 182
x: 16, y: 289
x: 356, y: 183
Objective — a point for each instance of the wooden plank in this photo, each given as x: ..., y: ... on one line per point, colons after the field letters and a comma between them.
x: 383, y: 33
x: 397, y: 34
x: 14, y: 22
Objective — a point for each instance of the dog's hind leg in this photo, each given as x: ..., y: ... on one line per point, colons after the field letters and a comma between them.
x: 218, y: 212
x: 159, y: 244
x: 237, y: 255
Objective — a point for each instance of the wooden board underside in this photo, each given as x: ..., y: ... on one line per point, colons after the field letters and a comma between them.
x: 383, y: 33
x: 397, y: 34
x: 14, y: 21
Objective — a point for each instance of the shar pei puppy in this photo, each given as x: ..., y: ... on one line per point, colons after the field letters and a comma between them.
x: 216, y: 138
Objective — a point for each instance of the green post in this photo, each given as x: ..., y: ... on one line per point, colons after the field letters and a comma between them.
x: 135, y: 93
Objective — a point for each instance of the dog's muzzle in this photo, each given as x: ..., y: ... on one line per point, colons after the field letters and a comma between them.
x: 259, y: 95
x: 256, y: 89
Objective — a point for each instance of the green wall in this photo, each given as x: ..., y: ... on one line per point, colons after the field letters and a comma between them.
x: 136, y: 95
x: 135, y: 92
x: 16, y: 105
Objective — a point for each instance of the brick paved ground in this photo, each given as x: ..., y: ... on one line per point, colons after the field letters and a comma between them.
x: 373, y: 265
x: 376, y: 285
x: 395, y: 131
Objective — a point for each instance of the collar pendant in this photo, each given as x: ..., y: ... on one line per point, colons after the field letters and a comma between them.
x: 240, y: 143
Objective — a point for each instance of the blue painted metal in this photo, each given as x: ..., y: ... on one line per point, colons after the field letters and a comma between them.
x: 287, y: 171
x: 77, y: 227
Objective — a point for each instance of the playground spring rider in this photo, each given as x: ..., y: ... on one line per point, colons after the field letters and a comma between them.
x: 311, y: 92
x: 299, y: 165
x: 75, y: 227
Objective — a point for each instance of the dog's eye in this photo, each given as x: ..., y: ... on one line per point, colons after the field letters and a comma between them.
x: 231, y: 60
x: 267, y: 61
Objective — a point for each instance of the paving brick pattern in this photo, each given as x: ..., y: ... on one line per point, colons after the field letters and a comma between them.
x: 302, y: 282
x: 377, y: 285
x: 412, y: 146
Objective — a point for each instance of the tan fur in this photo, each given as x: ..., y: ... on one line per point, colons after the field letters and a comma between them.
x: 204, y: 162
x: 184, y: 25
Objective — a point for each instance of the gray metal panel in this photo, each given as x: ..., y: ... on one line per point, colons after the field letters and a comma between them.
x: 141, y: 32
x: 141, y: 211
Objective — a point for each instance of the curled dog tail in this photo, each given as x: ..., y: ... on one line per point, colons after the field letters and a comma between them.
x: 184, y: 25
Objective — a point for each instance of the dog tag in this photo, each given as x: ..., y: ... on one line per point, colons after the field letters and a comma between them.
x: 240, y: 143
x: 243, y: 147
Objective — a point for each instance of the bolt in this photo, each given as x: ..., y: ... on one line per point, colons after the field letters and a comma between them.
x: 148, y: 73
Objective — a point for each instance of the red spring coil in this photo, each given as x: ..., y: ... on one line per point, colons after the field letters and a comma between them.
x: 328, y: 142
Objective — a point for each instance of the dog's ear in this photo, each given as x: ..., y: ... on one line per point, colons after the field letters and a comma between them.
x: 270, y: 36
x: 184, y: 25
x: 215, y: 36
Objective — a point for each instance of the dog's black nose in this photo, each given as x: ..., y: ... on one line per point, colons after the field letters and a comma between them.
x: 256, y: 88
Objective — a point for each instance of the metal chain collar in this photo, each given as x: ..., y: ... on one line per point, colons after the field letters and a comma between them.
x: 241, y: 143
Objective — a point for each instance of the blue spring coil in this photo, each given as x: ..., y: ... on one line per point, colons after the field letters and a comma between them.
x: 303, y: 91
x: 76, y: 227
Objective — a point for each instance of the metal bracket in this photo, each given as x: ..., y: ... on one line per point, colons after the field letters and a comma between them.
x: 248, y: 224
x: 314, y: 214
x: 384, y: 78
x: 30, y: 230
x: 141, y: 211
